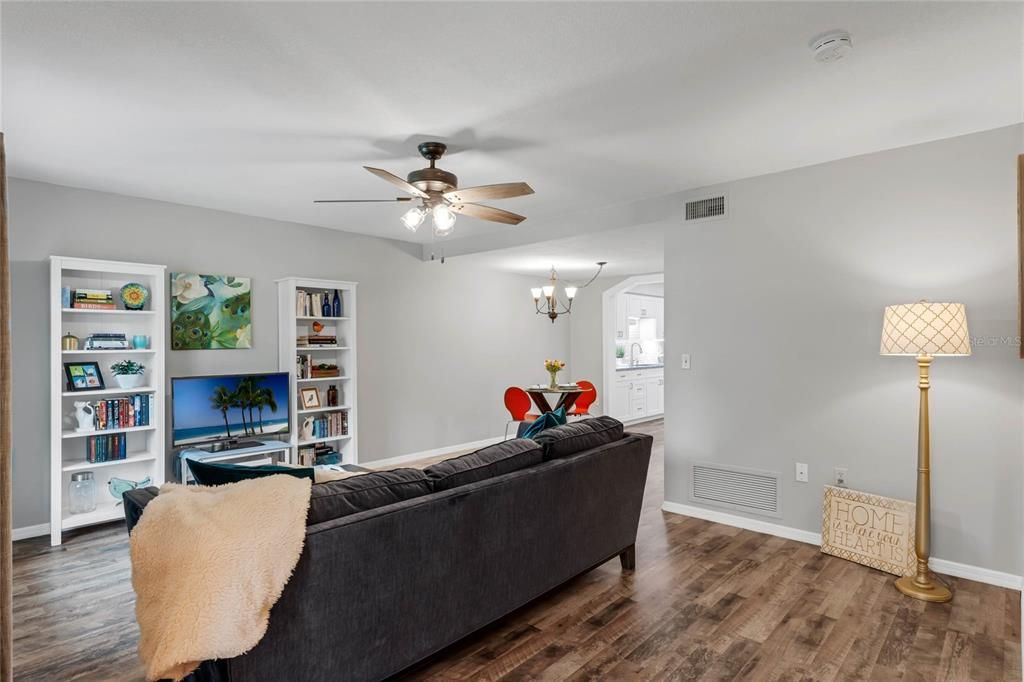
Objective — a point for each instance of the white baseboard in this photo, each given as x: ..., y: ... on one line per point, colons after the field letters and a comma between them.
x: 27, y: 532
x: 737, y: 521
x: 436, y: 452
x: 976, y: 573
x: 953, y: 568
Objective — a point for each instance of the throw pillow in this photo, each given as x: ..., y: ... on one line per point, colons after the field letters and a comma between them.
x: 219, y: 473
x: 546, y: 421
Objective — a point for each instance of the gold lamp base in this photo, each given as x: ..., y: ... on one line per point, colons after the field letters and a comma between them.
x: 922, y: 585
x: 927, y: 591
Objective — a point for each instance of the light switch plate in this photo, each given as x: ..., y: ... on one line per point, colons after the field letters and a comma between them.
x: 686, y: 361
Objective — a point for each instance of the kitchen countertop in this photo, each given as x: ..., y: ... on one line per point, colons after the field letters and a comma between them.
x: 634, y: 367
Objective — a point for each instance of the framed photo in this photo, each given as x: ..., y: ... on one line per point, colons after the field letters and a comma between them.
x: 210, y: 311
x: 83, y: 376
x: 310, y: 398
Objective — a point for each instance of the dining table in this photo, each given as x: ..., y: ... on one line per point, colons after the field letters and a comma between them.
x: 567, y: 394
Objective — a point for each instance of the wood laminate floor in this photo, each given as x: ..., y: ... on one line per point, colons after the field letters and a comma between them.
x: 707, y: 602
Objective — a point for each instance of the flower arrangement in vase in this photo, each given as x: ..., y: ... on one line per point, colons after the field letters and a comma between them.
x: 554, y: 367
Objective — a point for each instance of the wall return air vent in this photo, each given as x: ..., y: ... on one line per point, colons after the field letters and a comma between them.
x: 725, y: 485
x: 703, y: 209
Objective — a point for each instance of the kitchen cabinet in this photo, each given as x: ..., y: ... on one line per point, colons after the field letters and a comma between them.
x: 638, y: 393
x: 659, y: 314
x: 641, y: 306
x: 621, y: 323
x: 654, y: 393
x: 638, y: 305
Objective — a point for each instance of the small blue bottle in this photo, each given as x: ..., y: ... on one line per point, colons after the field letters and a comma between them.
x: 337, y: 304
x: 325, y: 309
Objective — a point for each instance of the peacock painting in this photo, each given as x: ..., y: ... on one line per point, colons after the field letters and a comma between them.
x: 210, y: 311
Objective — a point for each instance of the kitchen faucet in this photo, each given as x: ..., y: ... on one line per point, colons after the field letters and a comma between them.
x: 632, y: 358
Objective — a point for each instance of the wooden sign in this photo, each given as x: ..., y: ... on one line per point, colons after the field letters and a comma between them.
x: 869, y: 529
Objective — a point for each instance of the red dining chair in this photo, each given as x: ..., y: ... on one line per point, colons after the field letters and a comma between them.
x: 517, y: 402
x: 587, y: 398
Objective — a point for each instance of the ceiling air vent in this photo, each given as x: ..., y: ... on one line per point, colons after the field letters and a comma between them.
x: 702, y: 209
x: 724, y: 485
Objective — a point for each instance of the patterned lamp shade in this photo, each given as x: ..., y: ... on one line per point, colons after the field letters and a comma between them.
x: 925, y: 328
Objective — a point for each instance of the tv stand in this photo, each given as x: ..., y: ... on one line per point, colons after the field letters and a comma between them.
x: 226, y: 446
x: 269, y: 449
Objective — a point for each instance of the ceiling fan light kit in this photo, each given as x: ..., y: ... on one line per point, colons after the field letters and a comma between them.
x: 439, y: 194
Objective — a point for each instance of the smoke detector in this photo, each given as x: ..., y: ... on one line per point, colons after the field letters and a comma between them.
x: 831, y: 46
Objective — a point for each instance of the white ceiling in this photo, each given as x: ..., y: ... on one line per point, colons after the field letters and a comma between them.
x: 627, y: 251
x: 259, y: 108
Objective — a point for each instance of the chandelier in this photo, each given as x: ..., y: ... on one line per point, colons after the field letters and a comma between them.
x: 550, y: 295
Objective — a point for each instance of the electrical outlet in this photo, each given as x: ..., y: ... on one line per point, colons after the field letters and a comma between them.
x: 801, y: 472
x: 686, y: 361
x: 841, y: 477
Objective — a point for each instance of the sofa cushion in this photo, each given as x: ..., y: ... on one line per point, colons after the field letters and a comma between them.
x: 494, y: 460
x: 335, y: 499
x: 563, y: 441
x: 219, y: 473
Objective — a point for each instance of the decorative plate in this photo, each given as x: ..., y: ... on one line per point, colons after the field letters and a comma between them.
x: 134, y: 296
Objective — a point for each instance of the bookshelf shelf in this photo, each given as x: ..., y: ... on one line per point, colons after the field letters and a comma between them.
x: 144, y: 444
x: 130, y: 459
x: 90, y: 311
x: 294, y: 294
x: 336, y: 408
x: 106, y: 432
x: 104, y: 513
x: 108, y: 391
x: 325, y: 439
x: 105, y: 351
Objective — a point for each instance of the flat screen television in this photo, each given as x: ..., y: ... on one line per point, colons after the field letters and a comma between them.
x: 229, y: 408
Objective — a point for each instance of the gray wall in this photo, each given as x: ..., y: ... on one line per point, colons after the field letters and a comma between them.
x: 438, y: 344
x: 781, y: 305
x: 586, y: 334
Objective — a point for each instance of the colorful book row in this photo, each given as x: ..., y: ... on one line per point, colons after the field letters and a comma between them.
x: 332, y: 424
x: 123, y: 413
x: 107, y: 448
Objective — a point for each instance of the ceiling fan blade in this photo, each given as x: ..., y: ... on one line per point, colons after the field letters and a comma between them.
x: 398, y: 182
x: 361, y: 201
x: 505, y: 190
x: 496, y: 215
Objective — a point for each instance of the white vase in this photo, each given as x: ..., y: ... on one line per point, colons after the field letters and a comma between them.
x: 129, y: 380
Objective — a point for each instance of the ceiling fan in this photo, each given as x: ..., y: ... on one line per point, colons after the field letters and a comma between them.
x: 439, y: 194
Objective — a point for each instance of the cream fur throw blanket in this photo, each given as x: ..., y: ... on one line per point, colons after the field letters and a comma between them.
x: 207, y: 565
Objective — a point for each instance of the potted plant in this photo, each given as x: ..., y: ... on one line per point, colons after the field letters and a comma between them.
x: 128, y: 373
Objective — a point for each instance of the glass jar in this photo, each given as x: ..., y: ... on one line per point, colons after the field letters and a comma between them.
x: 82, y: 493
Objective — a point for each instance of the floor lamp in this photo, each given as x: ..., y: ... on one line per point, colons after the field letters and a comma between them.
x: 924, y: 330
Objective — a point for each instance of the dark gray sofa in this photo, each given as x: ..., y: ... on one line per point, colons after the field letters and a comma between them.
x: 379, y: 590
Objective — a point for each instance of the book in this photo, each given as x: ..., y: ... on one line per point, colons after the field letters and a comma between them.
x: 93, y: 306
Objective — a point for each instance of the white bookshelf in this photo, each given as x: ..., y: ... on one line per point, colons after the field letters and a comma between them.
x: 145, y: 444
x: 292, y: 324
